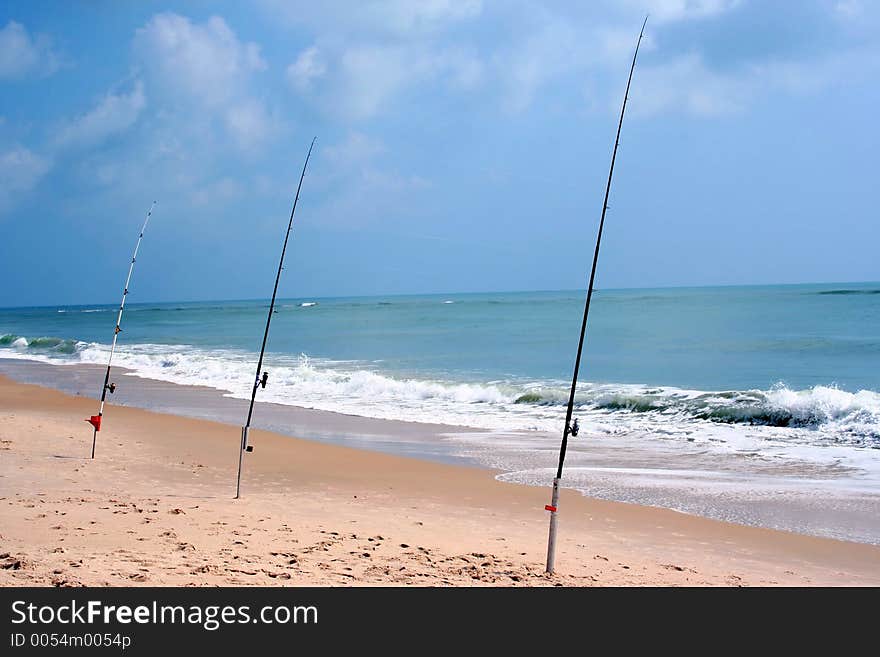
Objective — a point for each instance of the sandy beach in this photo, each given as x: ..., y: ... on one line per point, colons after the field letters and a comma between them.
x: 155, y: 508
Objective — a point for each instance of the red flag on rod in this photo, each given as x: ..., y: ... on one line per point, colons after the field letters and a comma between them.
x: 95, y: 421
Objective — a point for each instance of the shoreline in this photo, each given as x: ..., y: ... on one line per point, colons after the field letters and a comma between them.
x: 745, y: 487
x: 155, y: 508
x: 418, y: 439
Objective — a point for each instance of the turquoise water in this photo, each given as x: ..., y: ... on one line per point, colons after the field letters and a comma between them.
x: 799, y: 356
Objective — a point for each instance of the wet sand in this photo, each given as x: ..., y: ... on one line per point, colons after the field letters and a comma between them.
x: 155, y: 508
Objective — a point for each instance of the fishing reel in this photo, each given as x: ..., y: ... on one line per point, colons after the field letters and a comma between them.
x: 263, y: 380
x: 111, y: 387
x: 573, y: 429
x: 245, y: 445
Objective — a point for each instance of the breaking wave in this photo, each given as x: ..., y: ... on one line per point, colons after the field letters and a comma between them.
x: 821, y: 407
x: 823, y: 414
x: 38, y: 345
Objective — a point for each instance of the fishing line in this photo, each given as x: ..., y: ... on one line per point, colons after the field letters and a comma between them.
x: 95, y: 420
x: 260, y: 381
x: 572, y: 428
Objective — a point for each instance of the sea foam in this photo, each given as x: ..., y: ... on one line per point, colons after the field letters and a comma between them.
x: 818, y: 415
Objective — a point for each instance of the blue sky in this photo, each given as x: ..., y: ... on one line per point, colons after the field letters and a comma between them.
x: 462, y: 145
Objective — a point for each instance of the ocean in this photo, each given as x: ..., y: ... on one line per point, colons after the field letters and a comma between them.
x: 756, y: 394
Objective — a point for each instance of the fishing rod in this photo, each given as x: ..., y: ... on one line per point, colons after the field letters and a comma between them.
x: 95, y: 420
x: 572, y: 428
x: 261, y: 381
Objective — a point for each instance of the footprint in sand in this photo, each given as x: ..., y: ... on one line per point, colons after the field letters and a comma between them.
x: 277, y: 575
x: 9, y: 562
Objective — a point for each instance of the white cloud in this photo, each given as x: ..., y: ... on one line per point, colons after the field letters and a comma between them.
x: 667, y: 11
x: 20, y: 171
x: 365, y: 194
x: 549, y: 51
x: 405, y: 16
x: 249, y: 123
x: 858, y: 17
x: 205, y: 71
x: 22, y: 55
x: 222, y: 190
x: 114, y: 114
x: 366, y: 54
x: 686, y: 84
x: 574, y: 46
x: 849, y: 8
x: 361, y: 80
x: 357, y: 148
x: 362, y: 63
x: 395, y: 18
x: 203, y: 62
x: 370, y: 75
x: 365, y: 189
x: 580, y: 43
x: 308, y: 67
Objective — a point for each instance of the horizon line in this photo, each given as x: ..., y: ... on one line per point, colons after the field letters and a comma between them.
x: 430, y: 294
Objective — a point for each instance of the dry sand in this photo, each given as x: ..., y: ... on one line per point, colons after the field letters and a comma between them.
x: 155, y: 508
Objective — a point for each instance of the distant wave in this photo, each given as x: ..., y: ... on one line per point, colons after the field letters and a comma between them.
x: 308, y: 304
x: 844, y: 292
x: 85, y: 310
x: 138, y: 308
